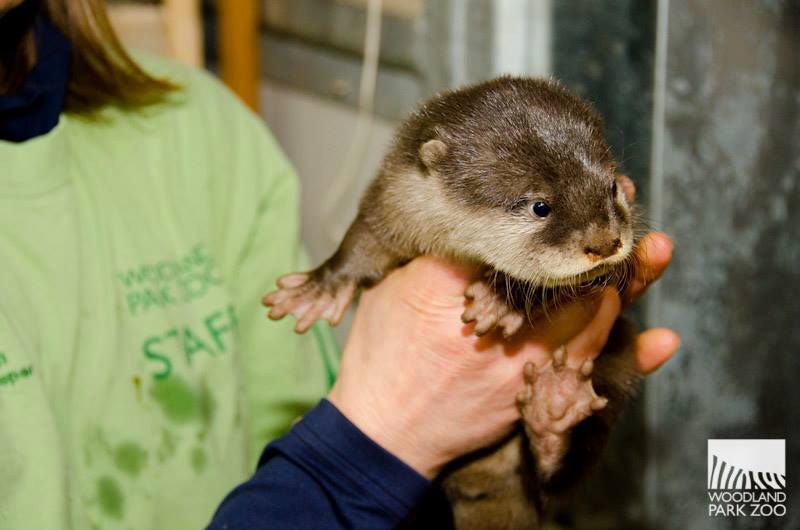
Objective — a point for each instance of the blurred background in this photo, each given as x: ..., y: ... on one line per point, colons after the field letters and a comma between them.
x: 702, y: 108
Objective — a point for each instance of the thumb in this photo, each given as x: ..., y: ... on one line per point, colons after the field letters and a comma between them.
x: 437, y: 276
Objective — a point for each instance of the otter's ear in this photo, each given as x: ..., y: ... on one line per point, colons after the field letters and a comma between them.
x: 432, y: 152
x: 628, y: 187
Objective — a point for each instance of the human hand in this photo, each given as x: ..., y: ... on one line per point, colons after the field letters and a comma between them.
x: 423, y: 386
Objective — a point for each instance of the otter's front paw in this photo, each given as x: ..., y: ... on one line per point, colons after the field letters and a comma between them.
x: 556, y: 398
x: 309, y: 300
x: 489, y: 309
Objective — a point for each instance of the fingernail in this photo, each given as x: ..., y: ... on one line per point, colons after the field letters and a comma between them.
x: 664, y: 242
x: 676, y: 342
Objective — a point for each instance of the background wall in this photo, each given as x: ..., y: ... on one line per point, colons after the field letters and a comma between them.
x: 312, y: 62
x: 315, y: 134
x: 729, y: 193
x: 701, y: 104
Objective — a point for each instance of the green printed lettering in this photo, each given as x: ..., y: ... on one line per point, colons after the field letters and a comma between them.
x: 158, y: 357
x: 234, y: 319
x: 139, y: 275
x: 193, y: 287
x: 168, y: 271
x: 131, y: 277
x: 199, y: 254
x: 192, y: 344
x: 211, y: 277
x: 160, y: 297
x: 149, y: 299
x: 11, y: 377
x: 217, y: 329
x: 166, y: 296
x: 133, y: 299
x: 170, y: 281
x: 213, y: 337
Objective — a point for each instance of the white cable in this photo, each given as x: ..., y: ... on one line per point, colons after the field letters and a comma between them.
x: 653, y: 301
x: 347, y: 176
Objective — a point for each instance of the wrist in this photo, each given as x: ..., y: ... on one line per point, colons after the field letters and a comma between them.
x: 393, y: 431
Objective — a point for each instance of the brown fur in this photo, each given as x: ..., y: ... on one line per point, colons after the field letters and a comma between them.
x: 460, y: 182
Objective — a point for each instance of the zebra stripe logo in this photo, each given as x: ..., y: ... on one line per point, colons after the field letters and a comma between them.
x: 746, y: 464
x: 726, y: 476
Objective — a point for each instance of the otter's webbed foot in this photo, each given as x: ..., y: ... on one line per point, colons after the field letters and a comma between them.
x: 309, y: 299
x: 557, y: 397
x: 490, y: 309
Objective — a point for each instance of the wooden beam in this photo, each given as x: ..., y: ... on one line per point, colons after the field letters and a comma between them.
x: 238, y: 46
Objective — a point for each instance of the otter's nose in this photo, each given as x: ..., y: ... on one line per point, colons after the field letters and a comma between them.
x: 598, y: 250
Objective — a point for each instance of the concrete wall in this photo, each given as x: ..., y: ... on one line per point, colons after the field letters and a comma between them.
x: 316, y: 134
x: 729, y: 193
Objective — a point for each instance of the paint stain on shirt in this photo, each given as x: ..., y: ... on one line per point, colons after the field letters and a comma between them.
x: 199, y: 460
x: 130, y: 458
x: 110, y: 496
x: 177, y: 399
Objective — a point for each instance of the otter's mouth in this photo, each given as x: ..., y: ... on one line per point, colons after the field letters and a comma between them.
x: 600, y: 274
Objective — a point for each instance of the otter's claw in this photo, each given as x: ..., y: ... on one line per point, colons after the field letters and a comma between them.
x: 489, y: 310
x: 308, y: 300
x: 556, y: 398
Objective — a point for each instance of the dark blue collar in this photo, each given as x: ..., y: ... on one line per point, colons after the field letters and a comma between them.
x: 34, y: 109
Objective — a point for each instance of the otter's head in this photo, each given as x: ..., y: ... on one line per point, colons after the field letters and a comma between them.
x: 525, y: 167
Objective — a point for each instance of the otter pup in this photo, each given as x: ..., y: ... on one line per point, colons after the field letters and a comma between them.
x: 513, y: 175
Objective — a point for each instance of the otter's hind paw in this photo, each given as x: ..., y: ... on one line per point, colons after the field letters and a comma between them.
x: 309, y: 300
x: 489, y: 310
x: 556, y: 398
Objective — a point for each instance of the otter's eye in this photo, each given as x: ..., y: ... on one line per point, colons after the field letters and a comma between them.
x: 540, y: 209
x: 614, y: 190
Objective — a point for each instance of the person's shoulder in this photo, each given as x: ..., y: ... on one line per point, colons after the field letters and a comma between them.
x: 200, y: 121
x: 198, y: 90
x: 199, y: 103
x: 201, y: 111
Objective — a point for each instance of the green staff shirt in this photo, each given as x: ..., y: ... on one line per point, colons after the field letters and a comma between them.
x: 139, y: 377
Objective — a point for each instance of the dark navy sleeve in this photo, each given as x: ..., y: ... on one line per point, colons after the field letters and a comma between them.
x: 324, y: 474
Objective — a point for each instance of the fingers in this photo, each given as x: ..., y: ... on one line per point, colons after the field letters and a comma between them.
x: 566, y: 322
x: 654, y: 347
x: 582, y: 326
x: 591, y: 339
x: 654, y: 253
